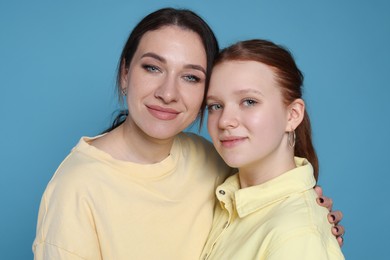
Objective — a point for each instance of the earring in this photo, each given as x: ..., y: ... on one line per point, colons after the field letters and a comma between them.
x: 291, y: 138
x: 124, y: 92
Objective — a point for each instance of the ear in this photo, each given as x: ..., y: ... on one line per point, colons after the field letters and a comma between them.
x: 295, y: 114
x: 124, y: 73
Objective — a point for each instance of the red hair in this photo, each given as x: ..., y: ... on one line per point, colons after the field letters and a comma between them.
x: 289, y: 79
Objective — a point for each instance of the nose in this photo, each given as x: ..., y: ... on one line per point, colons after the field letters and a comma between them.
x: 228, y: 119
x: 167, y: 90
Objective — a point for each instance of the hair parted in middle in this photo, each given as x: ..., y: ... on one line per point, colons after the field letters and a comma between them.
x: 183, y: 18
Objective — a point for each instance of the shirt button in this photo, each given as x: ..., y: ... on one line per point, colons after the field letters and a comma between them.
x: 222, y: 192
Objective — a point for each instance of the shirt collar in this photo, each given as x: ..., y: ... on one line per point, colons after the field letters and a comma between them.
x: 251, y: 199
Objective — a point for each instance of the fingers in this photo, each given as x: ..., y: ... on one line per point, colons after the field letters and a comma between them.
x: 322, y: 200
x: 325, y: 202
x: 334, y: 217
x: 339, y: 232
x: 318, y: 190
x: 340, y: 240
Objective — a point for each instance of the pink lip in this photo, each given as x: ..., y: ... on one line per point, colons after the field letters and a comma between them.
x: 162, y: 113
x: 231, y: 141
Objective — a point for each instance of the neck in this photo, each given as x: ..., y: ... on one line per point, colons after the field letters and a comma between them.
x: 266, y: 169
x: 136, y: 146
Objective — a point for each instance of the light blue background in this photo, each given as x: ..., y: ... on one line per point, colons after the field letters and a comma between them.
x: 57, y: 74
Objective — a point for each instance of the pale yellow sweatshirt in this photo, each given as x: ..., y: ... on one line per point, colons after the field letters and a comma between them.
x: 97, y: 207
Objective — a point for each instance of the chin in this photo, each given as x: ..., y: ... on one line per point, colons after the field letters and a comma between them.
x: 161, y: 136
x: 163, y: 133
x: 233, y: 161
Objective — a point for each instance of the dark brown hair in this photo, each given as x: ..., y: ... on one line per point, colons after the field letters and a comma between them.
x: 289, y: 78
x: 182, y: 18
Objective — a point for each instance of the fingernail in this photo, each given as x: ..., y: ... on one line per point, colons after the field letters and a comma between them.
x: 321, y: 200
x: 333, y: 218
x: 337, y: 229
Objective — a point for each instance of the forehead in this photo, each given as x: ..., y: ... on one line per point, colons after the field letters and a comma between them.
x: 243, y: 73
x: 173, y: 38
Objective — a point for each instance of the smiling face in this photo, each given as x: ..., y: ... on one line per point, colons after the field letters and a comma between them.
x: 247, y: 117
x: 165, y: 82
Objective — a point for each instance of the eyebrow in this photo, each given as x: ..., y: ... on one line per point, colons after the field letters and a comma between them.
x: 195, y: 67
x: 154, y: 56
x: 239, y: 92
x: 249, y: 90
x: 163, y: 60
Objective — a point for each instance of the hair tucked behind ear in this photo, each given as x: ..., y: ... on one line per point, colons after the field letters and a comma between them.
x: 289, y: 78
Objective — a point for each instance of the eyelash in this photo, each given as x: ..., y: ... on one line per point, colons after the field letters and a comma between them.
x: 213, y: 107
x: 154, y: 69
x: 192, y: 78
x: 151, y: 68
x: 249, y: 102
x: 246, y: 102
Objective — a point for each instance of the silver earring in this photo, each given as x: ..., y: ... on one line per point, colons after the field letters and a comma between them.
x: 124, y: 92
x: 291, y: 138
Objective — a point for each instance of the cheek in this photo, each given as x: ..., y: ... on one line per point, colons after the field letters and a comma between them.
x: 266, y: 124
x: 211, y: 119
x: 138, y: 90
x: 133, y: 88
x: 193, y: 98
x: 212, y: 125
x: 256, y: 120
x: 140, y: 82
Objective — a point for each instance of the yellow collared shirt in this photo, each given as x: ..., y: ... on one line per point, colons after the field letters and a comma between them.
x: 279, y: 219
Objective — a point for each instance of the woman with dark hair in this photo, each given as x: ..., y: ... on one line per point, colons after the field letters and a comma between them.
x: 144, y: 189
x: 258, y: 124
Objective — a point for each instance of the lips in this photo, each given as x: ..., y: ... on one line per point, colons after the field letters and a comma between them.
x: 162, y: 113
x: 231, y: 141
